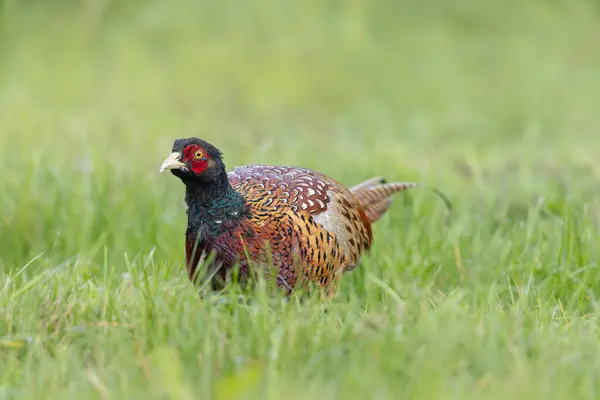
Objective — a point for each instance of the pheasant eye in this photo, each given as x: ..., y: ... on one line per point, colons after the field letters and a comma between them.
x: 198, y: 154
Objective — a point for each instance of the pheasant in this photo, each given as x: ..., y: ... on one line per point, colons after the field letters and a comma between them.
x: 301, y: 225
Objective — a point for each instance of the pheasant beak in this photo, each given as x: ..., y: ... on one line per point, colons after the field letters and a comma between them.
x: 173, y: 162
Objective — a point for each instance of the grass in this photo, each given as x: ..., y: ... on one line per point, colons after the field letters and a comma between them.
x: 495, y: 103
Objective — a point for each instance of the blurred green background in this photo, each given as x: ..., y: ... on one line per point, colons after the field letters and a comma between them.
x: 94, y: 92
x: 493, y: 102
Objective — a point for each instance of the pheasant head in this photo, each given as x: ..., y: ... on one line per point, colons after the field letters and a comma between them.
x: 195, y: 161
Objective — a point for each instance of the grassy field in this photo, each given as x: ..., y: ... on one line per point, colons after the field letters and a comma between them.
x: 493, y: 102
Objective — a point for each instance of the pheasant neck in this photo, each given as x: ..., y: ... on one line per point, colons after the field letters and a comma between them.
x: 213, y: 206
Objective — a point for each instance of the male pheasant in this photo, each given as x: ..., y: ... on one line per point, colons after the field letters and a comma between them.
x: 306, y: 225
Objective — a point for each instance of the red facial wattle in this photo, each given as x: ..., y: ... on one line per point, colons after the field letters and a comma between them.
x: 196, y: 164
x: 198, y: 167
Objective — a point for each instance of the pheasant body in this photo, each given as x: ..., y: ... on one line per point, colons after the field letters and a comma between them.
x: 296, y: 223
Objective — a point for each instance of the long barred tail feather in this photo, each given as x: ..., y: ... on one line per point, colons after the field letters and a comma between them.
x: 374, y: 195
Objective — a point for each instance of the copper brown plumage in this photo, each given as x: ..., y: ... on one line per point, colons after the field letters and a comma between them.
x: 295, y: 223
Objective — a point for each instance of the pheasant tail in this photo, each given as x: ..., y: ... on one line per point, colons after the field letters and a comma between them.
x: 374, y: 195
